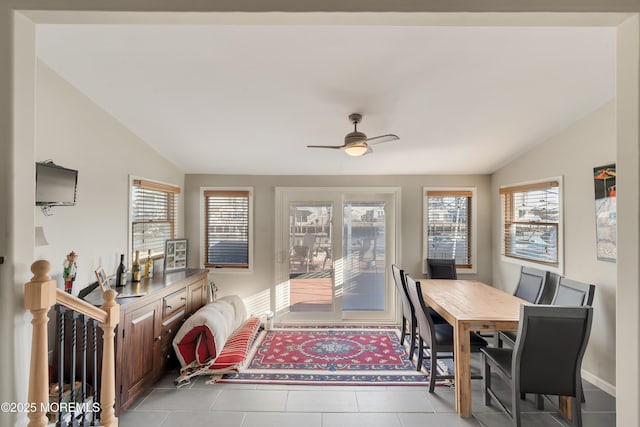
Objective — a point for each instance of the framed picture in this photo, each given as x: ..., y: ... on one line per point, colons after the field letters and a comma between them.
x: 102, y: 279
x: 175, y: 254
x: 604, y: 183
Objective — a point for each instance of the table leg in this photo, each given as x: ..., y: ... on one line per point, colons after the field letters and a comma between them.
x: 462, y: 358
x: 565, y: 403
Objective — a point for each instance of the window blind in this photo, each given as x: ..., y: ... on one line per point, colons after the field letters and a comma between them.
x: 227, y: 229
x: 531, y: 215
x: 449, y: 226
x: 154, y: 208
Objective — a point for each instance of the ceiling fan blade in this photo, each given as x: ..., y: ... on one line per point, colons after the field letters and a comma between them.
x: 326, y: 146
x: 382, y: 138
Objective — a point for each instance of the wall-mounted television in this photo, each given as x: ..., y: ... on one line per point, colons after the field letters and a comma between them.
x: 55, y: 185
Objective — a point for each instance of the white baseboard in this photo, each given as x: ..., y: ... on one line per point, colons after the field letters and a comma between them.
x: 600, y: 383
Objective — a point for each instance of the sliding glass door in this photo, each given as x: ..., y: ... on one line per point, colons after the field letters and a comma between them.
x: 363, y: 252
x: 310, y: 263
x: 335, y: 250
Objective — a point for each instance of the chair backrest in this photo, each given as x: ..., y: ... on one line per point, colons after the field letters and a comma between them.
x: 548, y: 352
x: 531, y: 284
x: 399, y: 280
x: 573, y: 293
x: 441, y: 268
x: 426, y: 329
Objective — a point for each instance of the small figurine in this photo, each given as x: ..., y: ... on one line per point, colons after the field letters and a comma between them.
x: 69, y: 272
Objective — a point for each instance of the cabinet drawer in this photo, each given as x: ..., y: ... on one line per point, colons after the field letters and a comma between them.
x: 174, y: 303
x: 171, y: 325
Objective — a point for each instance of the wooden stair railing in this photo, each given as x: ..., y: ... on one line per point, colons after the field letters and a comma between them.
x: 40, y: 294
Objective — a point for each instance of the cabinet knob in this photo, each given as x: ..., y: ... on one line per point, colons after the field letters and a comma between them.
x: 169, y: 307
x: 183, y: 298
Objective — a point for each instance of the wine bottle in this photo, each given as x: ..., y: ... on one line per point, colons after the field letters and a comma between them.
x: 135, y: 268
x: 148, y: 266
x: 121, y: 273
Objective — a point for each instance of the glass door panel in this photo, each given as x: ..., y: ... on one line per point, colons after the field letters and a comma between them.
x: 363, y: 252
x: 310, y: 258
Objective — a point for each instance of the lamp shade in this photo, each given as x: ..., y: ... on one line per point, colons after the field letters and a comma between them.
x: 357, y: 149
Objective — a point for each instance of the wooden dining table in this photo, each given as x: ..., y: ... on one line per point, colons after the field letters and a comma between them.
x: 469, y: 305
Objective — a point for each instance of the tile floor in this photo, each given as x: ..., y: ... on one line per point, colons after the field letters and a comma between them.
x: 249, y: 405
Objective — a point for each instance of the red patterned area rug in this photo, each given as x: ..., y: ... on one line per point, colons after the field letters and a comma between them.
x: 335, y: 356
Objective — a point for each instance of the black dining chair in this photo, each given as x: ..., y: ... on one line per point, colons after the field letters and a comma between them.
x: 441, y: 269
x: 573, y: 293
x: 408, y: 314
x: 546, y: 358
x: 437, y: 337
x: 531, y: 286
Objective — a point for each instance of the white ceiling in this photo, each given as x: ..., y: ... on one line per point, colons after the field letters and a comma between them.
x: 247, y: 99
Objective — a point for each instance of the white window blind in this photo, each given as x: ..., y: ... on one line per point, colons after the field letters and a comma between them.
x: 448, y: 226
x: 154, y: 208
x: 227, y: 229
x: 531, y: 219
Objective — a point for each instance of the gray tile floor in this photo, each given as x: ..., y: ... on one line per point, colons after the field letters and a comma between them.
x: 248, y: 405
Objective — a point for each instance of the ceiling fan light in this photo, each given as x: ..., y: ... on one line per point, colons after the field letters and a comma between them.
x: 357, y: 149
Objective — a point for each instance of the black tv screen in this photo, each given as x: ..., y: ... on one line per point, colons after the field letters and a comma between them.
x: 55, y: 185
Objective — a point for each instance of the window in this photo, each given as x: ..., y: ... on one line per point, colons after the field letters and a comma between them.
x: 449, y: 224
x: 227, y: 228
x: 154, y: 208
x: 531, y: 222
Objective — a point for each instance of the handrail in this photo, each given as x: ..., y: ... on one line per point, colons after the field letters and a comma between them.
x: 76, y: 304
x: 40, y: 294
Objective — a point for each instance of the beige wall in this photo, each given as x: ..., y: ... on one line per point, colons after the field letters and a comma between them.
x: 17, y: 162
x: 262, y: 278
x: 73, y: 132
x: 572, y: 154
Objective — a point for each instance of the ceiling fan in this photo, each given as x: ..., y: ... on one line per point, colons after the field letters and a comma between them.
x: 356, y: 143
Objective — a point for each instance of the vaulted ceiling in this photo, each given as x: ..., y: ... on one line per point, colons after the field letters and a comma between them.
x: 230, y: 98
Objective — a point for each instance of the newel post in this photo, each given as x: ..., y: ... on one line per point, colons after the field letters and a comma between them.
x: 39, y: 296
x: 108, y: 387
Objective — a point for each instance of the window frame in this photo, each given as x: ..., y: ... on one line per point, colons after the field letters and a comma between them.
x: 473, y: 221
x: 203, y: 230
x: 539, y: 184
x: 154, y: 185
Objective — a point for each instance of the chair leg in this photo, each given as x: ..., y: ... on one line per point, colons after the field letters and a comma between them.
x: 539, y: 402
x: 515, y: 408
x: 420, y: 355
x: 413, y: 341
x: 434, y: 372
x: 486, y: 380
x: 576, y: 413
x: 404, y: 330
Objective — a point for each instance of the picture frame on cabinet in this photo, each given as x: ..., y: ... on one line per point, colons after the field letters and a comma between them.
x: 102, y: 279
x: 175, y: 254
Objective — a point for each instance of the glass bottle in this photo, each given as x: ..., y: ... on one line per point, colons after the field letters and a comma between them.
x: 121, y: 273
x: 148, y: 266
x: 135, y: 269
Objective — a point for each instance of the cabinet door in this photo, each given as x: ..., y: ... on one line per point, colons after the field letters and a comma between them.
x: 141, y: 346
x: 196, y: 296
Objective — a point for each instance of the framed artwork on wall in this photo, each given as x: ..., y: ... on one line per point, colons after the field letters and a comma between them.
x: 604, y: 184
x: 175, y: 255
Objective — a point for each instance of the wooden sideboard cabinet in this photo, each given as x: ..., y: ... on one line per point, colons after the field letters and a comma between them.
x: 151, y: 313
